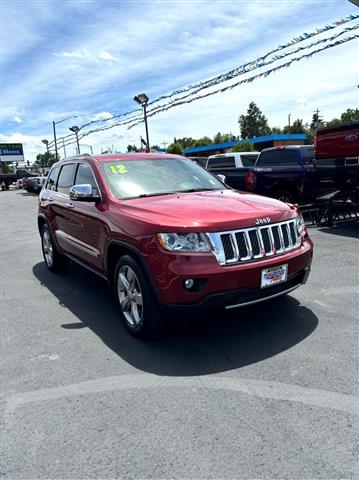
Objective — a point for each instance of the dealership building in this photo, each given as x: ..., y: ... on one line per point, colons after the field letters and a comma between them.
x: 259, y: 143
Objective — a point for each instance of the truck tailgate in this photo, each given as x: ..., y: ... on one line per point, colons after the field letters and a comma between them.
x: 341, y: 141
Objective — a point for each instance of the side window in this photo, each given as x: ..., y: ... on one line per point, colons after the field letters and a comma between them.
x: 66, y: 178
x: 307, y: 155
x: 221, y: 162
x: 278, y: 157
x: 52, y: 179
x: 248, y: 160
x: 84, y: 175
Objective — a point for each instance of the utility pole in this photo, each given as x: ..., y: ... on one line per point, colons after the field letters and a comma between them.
x: 318, y: 118
x: 164, y: 143
x: 289, y: 114
x: 63, y: 144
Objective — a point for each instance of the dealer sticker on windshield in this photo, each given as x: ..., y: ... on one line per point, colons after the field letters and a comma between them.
x: 273, y: 275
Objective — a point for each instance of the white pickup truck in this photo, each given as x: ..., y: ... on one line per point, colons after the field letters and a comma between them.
x: 232, y: 160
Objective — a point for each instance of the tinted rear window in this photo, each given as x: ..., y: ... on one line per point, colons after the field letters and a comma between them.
x: 277, y: 157
x: 66, y: 178
x: 221, y: 162
x: 52, y: 178
x: 307, y: 154
x: 248, y: 160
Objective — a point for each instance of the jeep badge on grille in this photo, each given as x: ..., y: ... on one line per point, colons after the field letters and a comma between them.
x: 262, y: 221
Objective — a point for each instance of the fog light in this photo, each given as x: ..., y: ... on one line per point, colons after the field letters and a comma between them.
x: 189, y: 283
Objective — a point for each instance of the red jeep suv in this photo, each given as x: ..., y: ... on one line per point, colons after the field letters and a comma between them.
x: 167, y: 234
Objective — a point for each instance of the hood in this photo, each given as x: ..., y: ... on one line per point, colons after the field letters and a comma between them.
x: 207, y: 211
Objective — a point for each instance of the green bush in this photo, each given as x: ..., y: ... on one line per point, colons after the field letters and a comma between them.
x: 175, y: 148
x: 245, y: 146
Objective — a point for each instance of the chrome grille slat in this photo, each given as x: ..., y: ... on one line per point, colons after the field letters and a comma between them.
x: 249, y: 244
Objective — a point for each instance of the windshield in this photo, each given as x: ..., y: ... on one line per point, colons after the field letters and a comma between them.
x: 157, y: 176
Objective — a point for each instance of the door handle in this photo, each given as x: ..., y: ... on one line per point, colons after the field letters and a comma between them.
x: 70, y: 205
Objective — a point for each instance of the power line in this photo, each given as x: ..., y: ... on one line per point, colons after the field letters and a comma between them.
x: 137, y: 118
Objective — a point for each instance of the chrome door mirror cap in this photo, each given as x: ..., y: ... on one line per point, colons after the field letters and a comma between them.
x: 221, y: 177
x: 83, y: 193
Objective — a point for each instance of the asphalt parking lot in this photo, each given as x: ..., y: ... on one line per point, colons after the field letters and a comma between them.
x: 264, y: 392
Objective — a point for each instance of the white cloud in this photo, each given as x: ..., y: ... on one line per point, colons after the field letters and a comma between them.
x: 163, y: 49
x: 107, y: 56
x: 101, y: 116
x: 16, y: 119
x: 85, y: 54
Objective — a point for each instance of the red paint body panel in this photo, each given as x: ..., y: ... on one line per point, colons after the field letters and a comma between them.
x: 87, y: 230
x: 337, y: 142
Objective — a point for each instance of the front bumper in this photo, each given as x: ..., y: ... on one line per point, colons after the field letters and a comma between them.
x: 225, y: 285
x: 243, y: 297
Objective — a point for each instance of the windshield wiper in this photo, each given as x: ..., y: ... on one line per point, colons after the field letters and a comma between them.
x: 144, y: 195
x: 191, y: 190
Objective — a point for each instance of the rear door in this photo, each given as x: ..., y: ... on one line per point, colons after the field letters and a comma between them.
x: 226, y: 165
x: 61, y: 208
x: 278, y: 167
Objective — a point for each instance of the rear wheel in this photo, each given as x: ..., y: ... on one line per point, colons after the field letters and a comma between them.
x: 55, y: 262
x: 137, y: 304
x: 284, y: 196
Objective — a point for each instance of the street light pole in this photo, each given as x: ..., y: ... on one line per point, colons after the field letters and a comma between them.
x: 146, y: 126
x: 142, y: 99
x: 46, y: 142
x: 76, y: 129
x: 55, y: 141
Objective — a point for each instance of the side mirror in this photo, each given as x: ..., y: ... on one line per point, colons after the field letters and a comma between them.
x: 84, y: 193
x: 221, y: 177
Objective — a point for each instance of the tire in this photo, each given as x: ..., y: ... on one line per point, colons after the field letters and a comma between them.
x: 284, y: 196
x: 138, y: 307
x: 54, y: 261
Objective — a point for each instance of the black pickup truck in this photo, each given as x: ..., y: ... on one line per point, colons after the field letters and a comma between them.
x: 6, y: 179
x: 290, y: 174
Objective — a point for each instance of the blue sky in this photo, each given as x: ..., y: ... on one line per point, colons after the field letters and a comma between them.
x: 89, y: 58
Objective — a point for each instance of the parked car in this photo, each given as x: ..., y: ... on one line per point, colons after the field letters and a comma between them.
x: 290, y: 174
x: 337, y: 147
x: 200, y: 160
x: 232, y: 160
x: 35, y: 184
x: 6, y: 179
x: 169, y: 236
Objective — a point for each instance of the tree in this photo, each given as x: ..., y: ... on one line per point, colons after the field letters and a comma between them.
x: 296, y: 127
x: 317, y: 121
x: 350, y: 115
x: 185, y: 142
x: 276, y: 131
x: 45, y: 159
x: 245, y: 146
x: 5, y: 167
x: 203, y: 142
x: 222, y: 138
x: 132, y: 148
x: 333, y: 122
x: 175, y: 148
x: 254, y: 124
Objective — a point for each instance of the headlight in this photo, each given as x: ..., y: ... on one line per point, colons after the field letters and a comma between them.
x: 300, y: 223
x: 184, y: 242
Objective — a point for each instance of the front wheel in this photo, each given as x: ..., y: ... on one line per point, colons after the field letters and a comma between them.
x: 137, y: 303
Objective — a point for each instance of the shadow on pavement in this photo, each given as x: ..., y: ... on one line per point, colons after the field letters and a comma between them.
x: 350, y: 230
x: 215, y: 344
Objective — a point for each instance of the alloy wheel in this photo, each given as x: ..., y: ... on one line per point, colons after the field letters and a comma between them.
x: 130, y: 296
x: 47, y: 248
